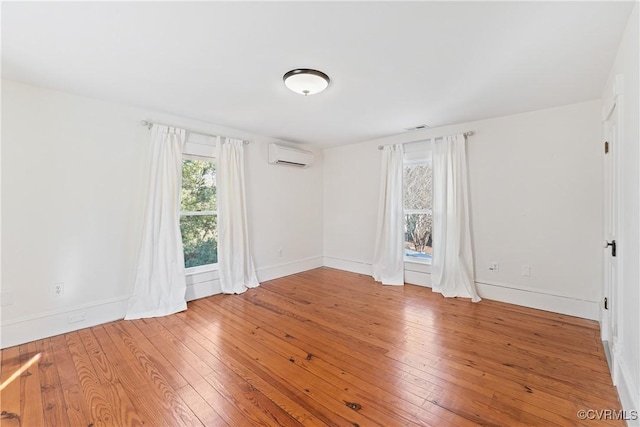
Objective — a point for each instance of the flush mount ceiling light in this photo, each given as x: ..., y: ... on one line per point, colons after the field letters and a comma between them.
x: 305, y: 81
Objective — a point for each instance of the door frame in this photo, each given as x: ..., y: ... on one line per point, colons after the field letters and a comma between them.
x: 611, y: 319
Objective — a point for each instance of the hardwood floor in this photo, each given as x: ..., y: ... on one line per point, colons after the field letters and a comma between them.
x: 323, y: 347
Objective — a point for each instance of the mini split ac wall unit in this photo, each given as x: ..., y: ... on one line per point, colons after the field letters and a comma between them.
x: 281, y: 155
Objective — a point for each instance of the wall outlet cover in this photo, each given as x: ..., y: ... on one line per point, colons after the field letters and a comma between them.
x: 57, y: 289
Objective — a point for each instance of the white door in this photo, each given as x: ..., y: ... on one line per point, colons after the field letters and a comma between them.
x: 611, y: 306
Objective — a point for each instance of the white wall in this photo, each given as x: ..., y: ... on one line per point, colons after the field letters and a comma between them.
x: 73, y: 177
x: 536, y: 200
x: 627, y: 359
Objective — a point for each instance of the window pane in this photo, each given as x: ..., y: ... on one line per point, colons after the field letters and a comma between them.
x: 417, y: 235
x: 199, y: 239
x: 417, y: 186
x: 198, y: 186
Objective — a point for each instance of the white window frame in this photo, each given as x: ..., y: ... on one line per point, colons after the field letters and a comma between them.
x: 416, y: 162
x: 204, y: 150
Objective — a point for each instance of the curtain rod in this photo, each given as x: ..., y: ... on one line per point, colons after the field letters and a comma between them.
x: 148, y: 124
x: 466, y: 134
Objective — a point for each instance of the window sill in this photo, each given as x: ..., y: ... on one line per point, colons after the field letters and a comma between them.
x: 192, y: 271
x: 412, y: 260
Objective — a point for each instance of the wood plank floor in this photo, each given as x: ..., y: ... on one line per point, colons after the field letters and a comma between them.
x: 323, y: 347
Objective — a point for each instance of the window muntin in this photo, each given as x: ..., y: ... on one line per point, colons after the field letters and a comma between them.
x: 418, y: 209
x: 198, y: 211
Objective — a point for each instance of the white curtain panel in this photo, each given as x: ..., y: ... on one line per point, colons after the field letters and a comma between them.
x: 159, y: 286
x: 388, y: 259
x: 452, y: 267
x: 237, y: 271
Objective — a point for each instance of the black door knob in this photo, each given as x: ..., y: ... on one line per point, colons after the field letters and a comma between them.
x: 613, y: 246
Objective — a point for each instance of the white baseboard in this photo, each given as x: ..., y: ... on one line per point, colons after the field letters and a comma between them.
x: 348, y: 265
x: 417, y: 274
x: 533, y: 298
x: 44, y: 325
x: 417, y: 278
x: 288, y: 268
x: 199, y: 285
x: 205, y: 284
x: 629, y: 393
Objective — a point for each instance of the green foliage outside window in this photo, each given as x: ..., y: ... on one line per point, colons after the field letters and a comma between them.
x: 198, y: 220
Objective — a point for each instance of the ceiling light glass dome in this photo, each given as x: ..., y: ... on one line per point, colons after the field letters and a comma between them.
x: 306, y: 81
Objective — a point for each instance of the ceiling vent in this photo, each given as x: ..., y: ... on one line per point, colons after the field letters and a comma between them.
x: 418, y: 127
x: 281, y: 155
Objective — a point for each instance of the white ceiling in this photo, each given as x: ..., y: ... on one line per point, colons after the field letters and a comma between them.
x: 393, y: 64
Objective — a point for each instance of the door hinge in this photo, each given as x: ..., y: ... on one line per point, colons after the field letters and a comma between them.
x: 606, y: 147
x: 606, y: 304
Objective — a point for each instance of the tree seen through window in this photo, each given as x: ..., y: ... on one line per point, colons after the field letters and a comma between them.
x: 418, y: 213
x: 198, y: 213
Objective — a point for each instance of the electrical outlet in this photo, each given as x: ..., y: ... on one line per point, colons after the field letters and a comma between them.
x: 526, y: 271
x: 494, y: 266
x: 57, y: 290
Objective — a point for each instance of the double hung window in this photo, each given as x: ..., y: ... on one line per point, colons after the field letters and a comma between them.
x: 198, y: 205
x: 418, y: 208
